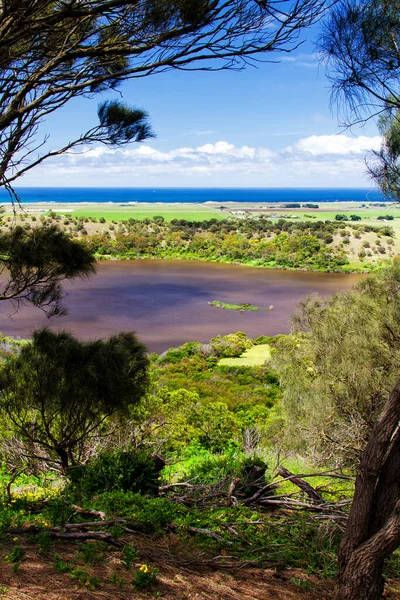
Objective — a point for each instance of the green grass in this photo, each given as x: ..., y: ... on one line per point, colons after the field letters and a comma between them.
x: 228, y: 306
x: 254, y: 357
x: 168, y: 211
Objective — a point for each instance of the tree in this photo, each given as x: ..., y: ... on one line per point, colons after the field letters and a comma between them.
x: 360, y: 44
x: 51, y: 52
x: 342, y: 400
x: 34, y: 263
x: 339, y: 368
x: 58, y: 393
x: 385, y: 168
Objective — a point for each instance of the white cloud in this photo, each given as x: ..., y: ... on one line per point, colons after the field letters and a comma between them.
x: 314, y: 160
x: 218, y: 148
x: 318, y: 145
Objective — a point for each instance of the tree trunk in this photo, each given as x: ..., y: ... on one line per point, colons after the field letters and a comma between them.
x: 360, y: 579
x: 387, y: 493
x: 373, y: 529
x: 62, y: 453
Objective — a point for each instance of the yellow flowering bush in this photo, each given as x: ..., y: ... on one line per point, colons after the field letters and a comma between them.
x: 145, y: 577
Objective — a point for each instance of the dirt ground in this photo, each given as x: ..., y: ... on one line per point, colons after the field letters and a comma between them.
x: 38, y: 579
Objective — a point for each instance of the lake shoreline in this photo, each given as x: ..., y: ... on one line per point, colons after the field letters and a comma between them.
x: 102, y: 258
x: 166, y: 301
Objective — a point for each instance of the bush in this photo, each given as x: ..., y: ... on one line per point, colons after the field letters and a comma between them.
x: 262, y: 339
x: 149, y: 515
x: 111, y: 471
x: 208, y: 468
x: 232, y: 345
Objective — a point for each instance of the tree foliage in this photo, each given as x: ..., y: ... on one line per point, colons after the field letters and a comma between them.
x: 58, y: 392
x: 51, y: 52
x: 360, y: 45
x: 385, y: 168
x: 34, y: 263
x: 340, y: 366
x: 341, y: 378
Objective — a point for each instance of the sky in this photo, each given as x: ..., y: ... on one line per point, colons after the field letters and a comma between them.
x: 270, y: 126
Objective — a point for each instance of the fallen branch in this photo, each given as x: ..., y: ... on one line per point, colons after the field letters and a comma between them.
x: 92, y: 513
x: 101, y: 536
x: 58, y: 533
x: 303, y: 485
x: 231, y: 498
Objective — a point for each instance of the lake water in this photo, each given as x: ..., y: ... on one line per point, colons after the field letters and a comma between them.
x: 166, y: 301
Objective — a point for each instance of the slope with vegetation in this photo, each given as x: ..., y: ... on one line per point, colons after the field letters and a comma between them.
x: 223, y: 463
x: 311, y: 245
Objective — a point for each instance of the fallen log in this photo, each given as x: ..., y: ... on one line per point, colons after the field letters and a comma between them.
x: 100, y: 536
x: 58, y: 533
x: 303, y: 485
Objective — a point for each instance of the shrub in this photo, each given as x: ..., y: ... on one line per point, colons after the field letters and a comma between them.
x: 232, y: 345
x: 145, y: 577
x: 110, y: 471
x: 262, y: 339
x: 149, y: 515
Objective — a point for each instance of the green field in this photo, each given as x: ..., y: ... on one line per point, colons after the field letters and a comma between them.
x: 189, y: 212
x: 193, y: 212
x: 253, y: 357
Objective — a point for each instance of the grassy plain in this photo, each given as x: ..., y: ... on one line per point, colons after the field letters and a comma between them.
x: 253, y: 357
x: 190, y: 212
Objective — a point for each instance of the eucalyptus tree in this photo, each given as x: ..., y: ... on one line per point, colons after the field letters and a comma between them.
x: 54, y: 51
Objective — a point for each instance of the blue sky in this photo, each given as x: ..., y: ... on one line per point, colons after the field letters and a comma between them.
x: 262, y: 127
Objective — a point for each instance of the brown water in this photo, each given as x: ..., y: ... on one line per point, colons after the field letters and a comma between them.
x: 165, y: 301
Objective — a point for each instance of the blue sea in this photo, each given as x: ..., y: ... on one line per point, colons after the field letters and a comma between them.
x: 195, y: 195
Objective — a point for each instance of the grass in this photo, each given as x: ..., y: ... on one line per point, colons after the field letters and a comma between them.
x: 228, y: 306
x: 168, y: 211
x: 253, y: 357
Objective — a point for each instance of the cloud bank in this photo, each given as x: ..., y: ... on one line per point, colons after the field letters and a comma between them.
x: 333, y: 159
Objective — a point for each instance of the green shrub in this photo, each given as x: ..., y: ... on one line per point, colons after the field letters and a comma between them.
x: 175, y: 355
x: 262, y: 339
x: 148, y: 515
x: 206, y: 468
x: 145, y: 577
x: 231, y: 345
x: 126, y: 471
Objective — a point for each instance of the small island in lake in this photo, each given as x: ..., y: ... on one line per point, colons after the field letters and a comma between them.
x: 242, y: 307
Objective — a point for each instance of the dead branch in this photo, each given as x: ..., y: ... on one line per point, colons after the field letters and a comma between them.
x: 101, y: 536
x: 57, y: 533
x: 93, y: 513
x: 303, y: 485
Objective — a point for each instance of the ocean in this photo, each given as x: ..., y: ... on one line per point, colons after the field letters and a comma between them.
x: 194, y: 195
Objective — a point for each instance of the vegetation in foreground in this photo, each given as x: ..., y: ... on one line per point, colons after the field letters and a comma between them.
x: 230, y: 463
